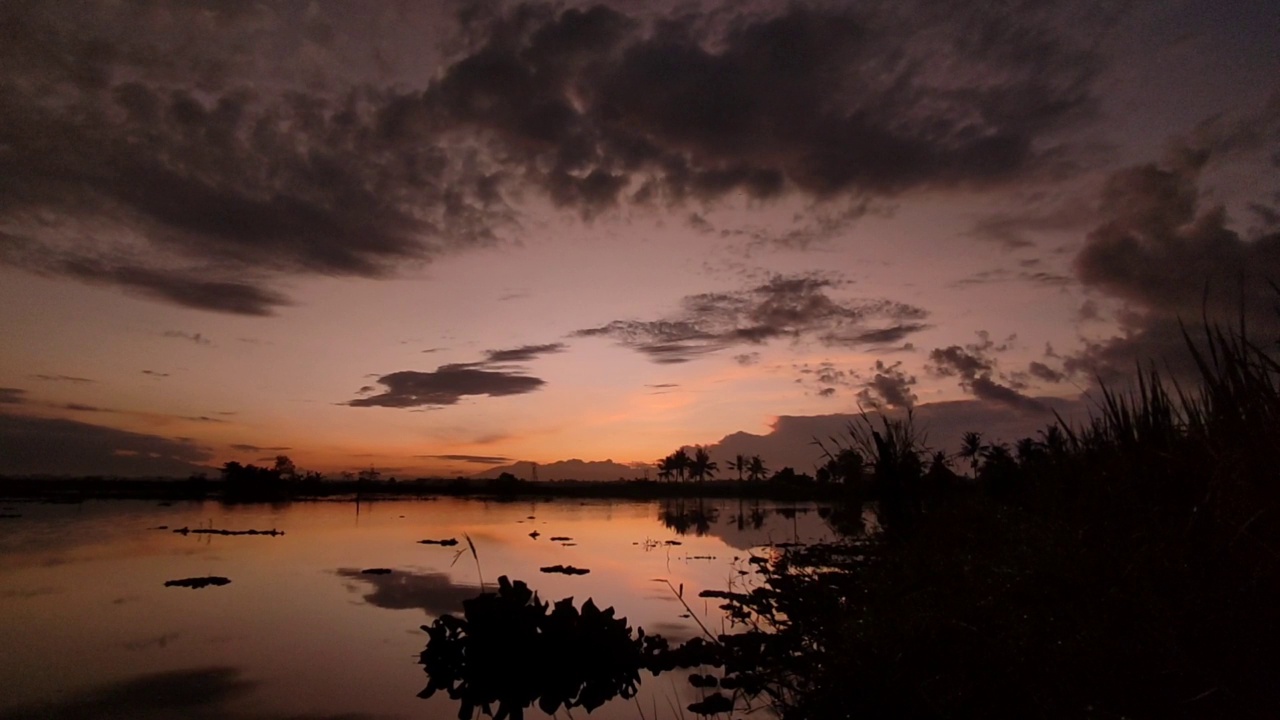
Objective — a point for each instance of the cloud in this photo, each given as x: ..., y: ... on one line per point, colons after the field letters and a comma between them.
x: 85, y: 408
x: 63, y: 378
x: 984, y: 388
x: 12, y: 396
x: 196, y: 338
x: 797, y: 308
x: 1167, y: 258
x: 446, y: 386
x: 477, y: 459
x: 155, y: 373
x: 242, y: 447
x: 1014, y: 229
x: 1044, y: 372
x: 494, y: 376
x: 974, y: 365
x: 141, y: 158
x: 524, y: 353
x: 39, y: 446
x: 889, y: 387
x: 179, y: 287
x: 821, y: 99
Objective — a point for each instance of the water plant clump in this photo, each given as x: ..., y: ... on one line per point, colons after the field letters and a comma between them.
x: 510, y: 650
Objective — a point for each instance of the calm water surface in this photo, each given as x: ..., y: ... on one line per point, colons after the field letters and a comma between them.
x: 88, y: 628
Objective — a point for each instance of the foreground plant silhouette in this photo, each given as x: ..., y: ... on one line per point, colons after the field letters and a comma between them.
x: 510, y: 650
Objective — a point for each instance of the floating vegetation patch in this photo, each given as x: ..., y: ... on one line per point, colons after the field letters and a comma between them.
x: 564, y: 570
x: 195, y: 583
x: 213, y: 531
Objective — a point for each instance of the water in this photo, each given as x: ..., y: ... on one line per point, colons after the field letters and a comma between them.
x: 89, y: 629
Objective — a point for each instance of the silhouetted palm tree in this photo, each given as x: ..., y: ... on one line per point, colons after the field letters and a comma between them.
x: 756, y: 471
x: 680, y: 462
x: 739, y: 463
x: 1028, y: 451
x: 665, y: 469
x: 971, y: 449
x: 702, y: 466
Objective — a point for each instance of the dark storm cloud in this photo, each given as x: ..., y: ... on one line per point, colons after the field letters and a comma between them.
x: 820, y: 98
x: 36, y: 446
x: 975, y: 365
x: 1044, y: 372
x: 446, y: 386
x: 138, y: 156
x: 524, y: 353
x: 142, y: 153
x: 1170, y: 259
x: 477, y: 459
x: 795, y: 308
x: 889, y: 387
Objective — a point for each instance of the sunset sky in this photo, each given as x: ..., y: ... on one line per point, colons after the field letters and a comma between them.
x: 438, y: 237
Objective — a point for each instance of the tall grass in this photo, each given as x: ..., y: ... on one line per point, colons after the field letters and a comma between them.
x: 1122, y: 566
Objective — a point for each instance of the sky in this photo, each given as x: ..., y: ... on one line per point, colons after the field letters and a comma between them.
x: 434, y: 238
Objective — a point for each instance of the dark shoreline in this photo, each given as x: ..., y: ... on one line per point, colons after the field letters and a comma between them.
x: 70, y: 490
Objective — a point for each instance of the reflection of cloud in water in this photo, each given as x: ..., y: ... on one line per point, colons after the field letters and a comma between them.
x: 199, y: 694
x: 433, y: 593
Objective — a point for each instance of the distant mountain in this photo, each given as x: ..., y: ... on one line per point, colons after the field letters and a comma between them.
x: 566, y: 470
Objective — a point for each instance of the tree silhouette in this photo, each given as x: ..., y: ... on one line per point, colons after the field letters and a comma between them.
x: 285, y: 467
x: 971, y: 448
x: 756, y: 471
x: 666, y: 469
x: 702, y: 466
x: 739, y: 463
x: 680, y: 462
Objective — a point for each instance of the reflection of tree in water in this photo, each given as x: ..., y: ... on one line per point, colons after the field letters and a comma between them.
x: 682, y: 517
x: 510, y: 651
x: 755, y: 516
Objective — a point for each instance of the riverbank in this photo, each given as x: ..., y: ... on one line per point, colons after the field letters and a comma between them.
x: 80, y: 489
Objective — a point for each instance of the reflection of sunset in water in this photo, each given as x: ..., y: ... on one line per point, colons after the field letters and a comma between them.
x: 300, y: 629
